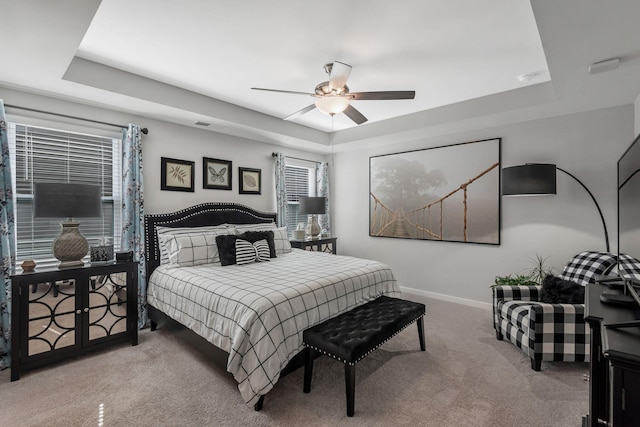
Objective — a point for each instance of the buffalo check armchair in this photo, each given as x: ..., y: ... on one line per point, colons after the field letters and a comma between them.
x: 549, y: 331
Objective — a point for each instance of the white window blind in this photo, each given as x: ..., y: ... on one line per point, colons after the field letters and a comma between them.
x: 300, y: 181
x: 48, y: 155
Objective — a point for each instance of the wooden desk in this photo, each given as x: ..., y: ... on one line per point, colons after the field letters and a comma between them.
x: 614, y: 390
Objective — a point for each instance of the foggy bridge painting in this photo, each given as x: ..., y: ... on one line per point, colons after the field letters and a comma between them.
x: 448, y: 193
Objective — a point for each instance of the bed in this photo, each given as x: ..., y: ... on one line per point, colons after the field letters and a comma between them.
x: 255, y: 312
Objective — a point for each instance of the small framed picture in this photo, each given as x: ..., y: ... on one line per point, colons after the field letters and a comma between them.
x: 216, y: 174
x: 250, y: 180
x: 176, y: 175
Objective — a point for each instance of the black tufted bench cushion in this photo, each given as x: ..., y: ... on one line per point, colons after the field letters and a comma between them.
x: 351, y: 336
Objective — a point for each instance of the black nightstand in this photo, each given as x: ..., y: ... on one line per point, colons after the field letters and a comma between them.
x: 61, y: 313
x: 322, y: 244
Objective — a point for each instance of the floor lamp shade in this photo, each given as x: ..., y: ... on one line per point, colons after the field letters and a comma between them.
x: 63, y: 200
x: 540, y: 179
x: 313, y: 206
x: 528, y: 180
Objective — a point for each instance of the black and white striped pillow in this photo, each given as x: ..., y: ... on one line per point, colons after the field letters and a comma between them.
x: 247, y: 252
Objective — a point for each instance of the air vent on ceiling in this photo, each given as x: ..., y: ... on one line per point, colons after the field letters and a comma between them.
x: 602, y: 66
x: 202, y: 124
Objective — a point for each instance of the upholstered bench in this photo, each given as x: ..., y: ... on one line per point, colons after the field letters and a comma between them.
x: 351, y: 336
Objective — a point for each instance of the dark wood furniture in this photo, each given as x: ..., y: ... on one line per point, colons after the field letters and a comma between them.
x: 71, y: 311
x: 614, y: 392
x: 353, y: 335
x: 322, y: 244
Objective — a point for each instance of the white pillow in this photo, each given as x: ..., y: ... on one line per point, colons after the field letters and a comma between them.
x: 281, y: 240
x: 187, y: 250
x: 280, y: 236
x: 166, y: 233
x: 266, y: 226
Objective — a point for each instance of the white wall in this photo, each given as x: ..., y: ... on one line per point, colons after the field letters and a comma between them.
x: 175, y: 141
x: 166, y: 140
x: 587, y: 144
x: 637, y: 115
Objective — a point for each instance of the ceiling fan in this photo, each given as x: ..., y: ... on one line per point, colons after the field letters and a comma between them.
x: 333, y: 96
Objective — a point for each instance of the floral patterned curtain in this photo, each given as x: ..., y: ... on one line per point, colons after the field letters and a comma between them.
x: 322, y: 184
x: 7, y: 243
x: 133, y: 210
x: 281, y: 189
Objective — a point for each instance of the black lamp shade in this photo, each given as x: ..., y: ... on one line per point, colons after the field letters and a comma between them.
x: 312, y: 205
x: 530, y: 179
x: 63, y: 200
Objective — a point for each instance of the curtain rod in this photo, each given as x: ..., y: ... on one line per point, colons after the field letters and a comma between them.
x: 143, y: 130
x: 296, y: 158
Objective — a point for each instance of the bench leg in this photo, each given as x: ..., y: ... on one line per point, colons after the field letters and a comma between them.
x: 350, y: 382
x: 420, y: 323
x: 308, y: 369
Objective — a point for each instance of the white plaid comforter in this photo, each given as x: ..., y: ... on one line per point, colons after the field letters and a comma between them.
x: 257, y: 312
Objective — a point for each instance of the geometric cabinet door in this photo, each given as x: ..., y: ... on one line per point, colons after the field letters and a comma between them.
x: 59, y: 313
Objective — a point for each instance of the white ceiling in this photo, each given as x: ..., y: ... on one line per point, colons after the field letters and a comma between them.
x: 196, y: 60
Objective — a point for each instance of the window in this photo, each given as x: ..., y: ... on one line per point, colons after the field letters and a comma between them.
x: 300, y: 178
x: 46, y: 155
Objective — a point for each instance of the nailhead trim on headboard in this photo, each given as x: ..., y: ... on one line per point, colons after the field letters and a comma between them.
x: 220, y: 213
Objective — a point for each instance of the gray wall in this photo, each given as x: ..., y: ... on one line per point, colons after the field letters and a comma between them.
x: 637, y: 115
x: 587, y: 144
x: 167, y: 140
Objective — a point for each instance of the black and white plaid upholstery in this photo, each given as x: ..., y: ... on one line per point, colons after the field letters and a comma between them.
x: 583, y: 267
x: 549, y: 332
x: 629, y: 267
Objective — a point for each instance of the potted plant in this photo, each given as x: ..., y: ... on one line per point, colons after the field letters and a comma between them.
x: 531, y: 276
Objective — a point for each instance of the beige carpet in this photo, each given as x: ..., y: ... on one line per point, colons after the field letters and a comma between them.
x: 465, y: 378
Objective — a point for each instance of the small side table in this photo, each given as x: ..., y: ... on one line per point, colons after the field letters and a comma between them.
x: 69, y: 312
x: 322, y: 244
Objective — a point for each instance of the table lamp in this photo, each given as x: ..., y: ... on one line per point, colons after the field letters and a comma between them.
x: 64, y: 200
x: 313, y: 206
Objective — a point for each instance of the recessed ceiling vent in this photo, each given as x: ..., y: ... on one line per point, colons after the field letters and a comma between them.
x: 602, y: 66
x: 202, y: 124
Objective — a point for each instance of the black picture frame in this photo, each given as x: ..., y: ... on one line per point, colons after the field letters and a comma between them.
x: 249, y: 180
x: 448, y: 193
x: 216, y: 174
x: 176, y: 174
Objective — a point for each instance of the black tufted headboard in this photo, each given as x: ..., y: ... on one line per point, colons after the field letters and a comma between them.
x: 197, y: 216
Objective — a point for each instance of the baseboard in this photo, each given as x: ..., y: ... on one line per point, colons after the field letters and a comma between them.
x: 418, y: 294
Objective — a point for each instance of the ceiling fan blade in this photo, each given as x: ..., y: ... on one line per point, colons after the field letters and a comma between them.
x: 283, y: 91
x: 355, y: 115
x: 393, y: 94
x: 339, y: 75
x: 300, y: 112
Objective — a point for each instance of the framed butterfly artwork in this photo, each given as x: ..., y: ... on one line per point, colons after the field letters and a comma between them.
x: 216, y: 174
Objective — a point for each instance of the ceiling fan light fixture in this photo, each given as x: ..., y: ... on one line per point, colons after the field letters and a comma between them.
x: 332, y: 104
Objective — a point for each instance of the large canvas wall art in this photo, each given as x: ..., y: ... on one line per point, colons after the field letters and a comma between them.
x: 449, y: 193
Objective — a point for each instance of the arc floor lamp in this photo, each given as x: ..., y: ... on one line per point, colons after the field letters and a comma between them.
x: 540, y: 179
